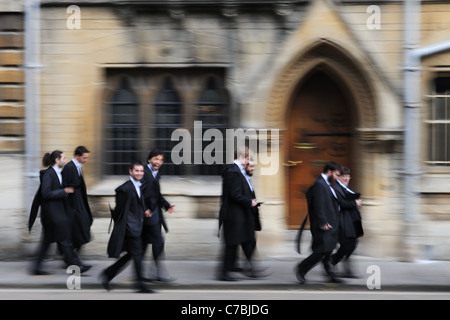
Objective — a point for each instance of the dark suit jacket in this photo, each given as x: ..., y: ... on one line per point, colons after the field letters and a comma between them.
x: 128, y: 216
x: 236, y: 213
x: 322, y: 209
x: 54, y: 208
x: 350, y: 218
x: 82, y: 216
x: 153, y: 196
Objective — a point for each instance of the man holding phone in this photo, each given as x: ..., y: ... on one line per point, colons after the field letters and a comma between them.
x: 237, y: 214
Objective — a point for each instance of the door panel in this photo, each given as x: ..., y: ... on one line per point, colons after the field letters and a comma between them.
x: 319, y: 131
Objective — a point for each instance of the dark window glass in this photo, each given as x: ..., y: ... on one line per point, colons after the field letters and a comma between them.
x: 167, y: 118
x: 122, y: 130
x: 213, y: 114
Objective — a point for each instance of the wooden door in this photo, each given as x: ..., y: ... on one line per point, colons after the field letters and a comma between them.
x: 320, y: 129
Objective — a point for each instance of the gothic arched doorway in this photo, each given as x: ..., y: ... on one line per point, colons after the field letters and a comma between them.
x: 321, y: 121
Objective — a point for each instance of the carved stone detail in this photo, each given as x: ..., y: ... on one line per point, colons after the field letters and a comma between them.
x: 335, y: 59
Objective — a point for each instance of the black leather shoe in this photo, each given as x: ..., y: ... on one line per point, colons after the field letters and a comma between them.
x: 40, y: 273
x: 226, y: 277
x: 105, y: 281
x: 256, y: 273
x: 336, y: 280
x: 300, y: 276
x: 237, y: 269
x: 85, y: 268
x: 145, y: 290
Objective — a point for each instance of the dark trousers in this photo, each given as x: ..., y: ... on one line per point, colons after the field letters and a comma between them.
x: 65, y: 246
x: 230, y: 254
x: 313, y: 259
x: 150, y: 234
x: 346, y: 248
x: 153, y: 234
x: 133, y: 247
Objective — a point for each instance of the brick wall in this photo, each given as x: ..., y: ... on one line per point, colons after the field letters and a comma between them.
x: 12, y: 78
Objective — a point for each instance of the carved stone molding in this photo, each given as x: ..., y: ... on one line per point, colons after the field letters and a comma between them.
x: 335, y: 60
x: 385, y: 140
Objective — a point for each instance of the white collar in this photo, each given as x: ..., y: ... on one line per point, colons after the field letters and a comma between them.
x: 324, y: 176
x: 136, y: 183
x: 78, y: 164
x: 345, y: 187
x: 240, y: 165
x: 57, y: 169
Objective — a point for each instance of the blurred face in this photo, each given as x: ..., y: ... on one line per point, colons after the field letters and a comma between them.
x: 345, y: 179
x: 156, y: 162
x: 250, y: 168
x: 137, y: 173
x: 243, y: 160
x: 61, y: 161
x: 333, y: 176
x: 83, y: 158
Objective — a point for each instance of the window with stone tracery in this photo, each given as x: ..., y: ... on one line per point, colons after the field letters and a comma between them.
x: 144, y: 106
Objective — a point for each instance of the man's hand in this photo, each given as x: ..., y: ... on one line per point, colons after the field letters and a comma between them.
x: 147, y: 213
x: 69, y: 189
x: 326, y: 227
x: 171, y: 209
x: 254, y: 203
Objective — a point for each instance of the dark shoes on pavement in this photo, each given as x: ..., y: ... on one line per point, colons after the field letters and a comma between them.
x: 39, y: 272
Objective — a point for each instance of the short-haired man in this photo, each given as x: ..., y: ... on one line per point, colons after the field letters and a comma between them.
x: 81, y: 216
x: 128, y: 217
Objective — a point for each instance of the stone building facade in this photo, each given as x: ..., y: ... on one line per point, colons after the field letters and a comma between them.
x: 364, y: 83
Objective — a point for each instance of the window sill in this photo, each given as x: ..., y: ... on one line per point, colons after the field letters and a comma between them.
x: 170, y: 185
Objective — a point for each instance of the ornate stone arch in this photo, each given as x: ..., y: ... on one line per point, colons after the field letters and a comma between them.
x: 336, y: 60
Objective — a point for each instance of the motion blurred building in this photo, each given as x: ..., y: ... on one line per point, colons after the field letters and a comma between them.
x: 365, y: 83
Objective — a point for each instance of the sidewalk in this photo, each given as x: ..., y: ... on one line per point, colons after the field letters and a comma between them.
x: 420, y: 276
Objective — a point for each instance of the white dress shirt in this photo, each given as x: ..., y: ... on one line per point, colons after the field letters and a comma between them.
x: 78, y: 165
x: 58, y: 173
x: 328, y: 183
x: 137, y: 185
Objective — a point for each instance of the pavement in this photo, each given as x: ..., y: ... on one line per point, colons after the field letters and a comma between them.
x: 373, y: 274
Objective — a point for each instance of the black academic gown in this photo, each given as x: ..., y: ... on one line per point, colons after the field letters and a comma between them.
x: 153, y: 197
x: 236, y: 213
x: 350, y: 217
x: 54, y: 208
x: 128, y: 217
x: 81, y: 212
x: 36, y: 204
x: 323, y: 208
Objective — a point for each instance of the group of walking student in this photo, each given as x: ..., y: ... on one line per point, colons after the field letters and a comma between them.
x: 138, y: 217
x: 66, y: 217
